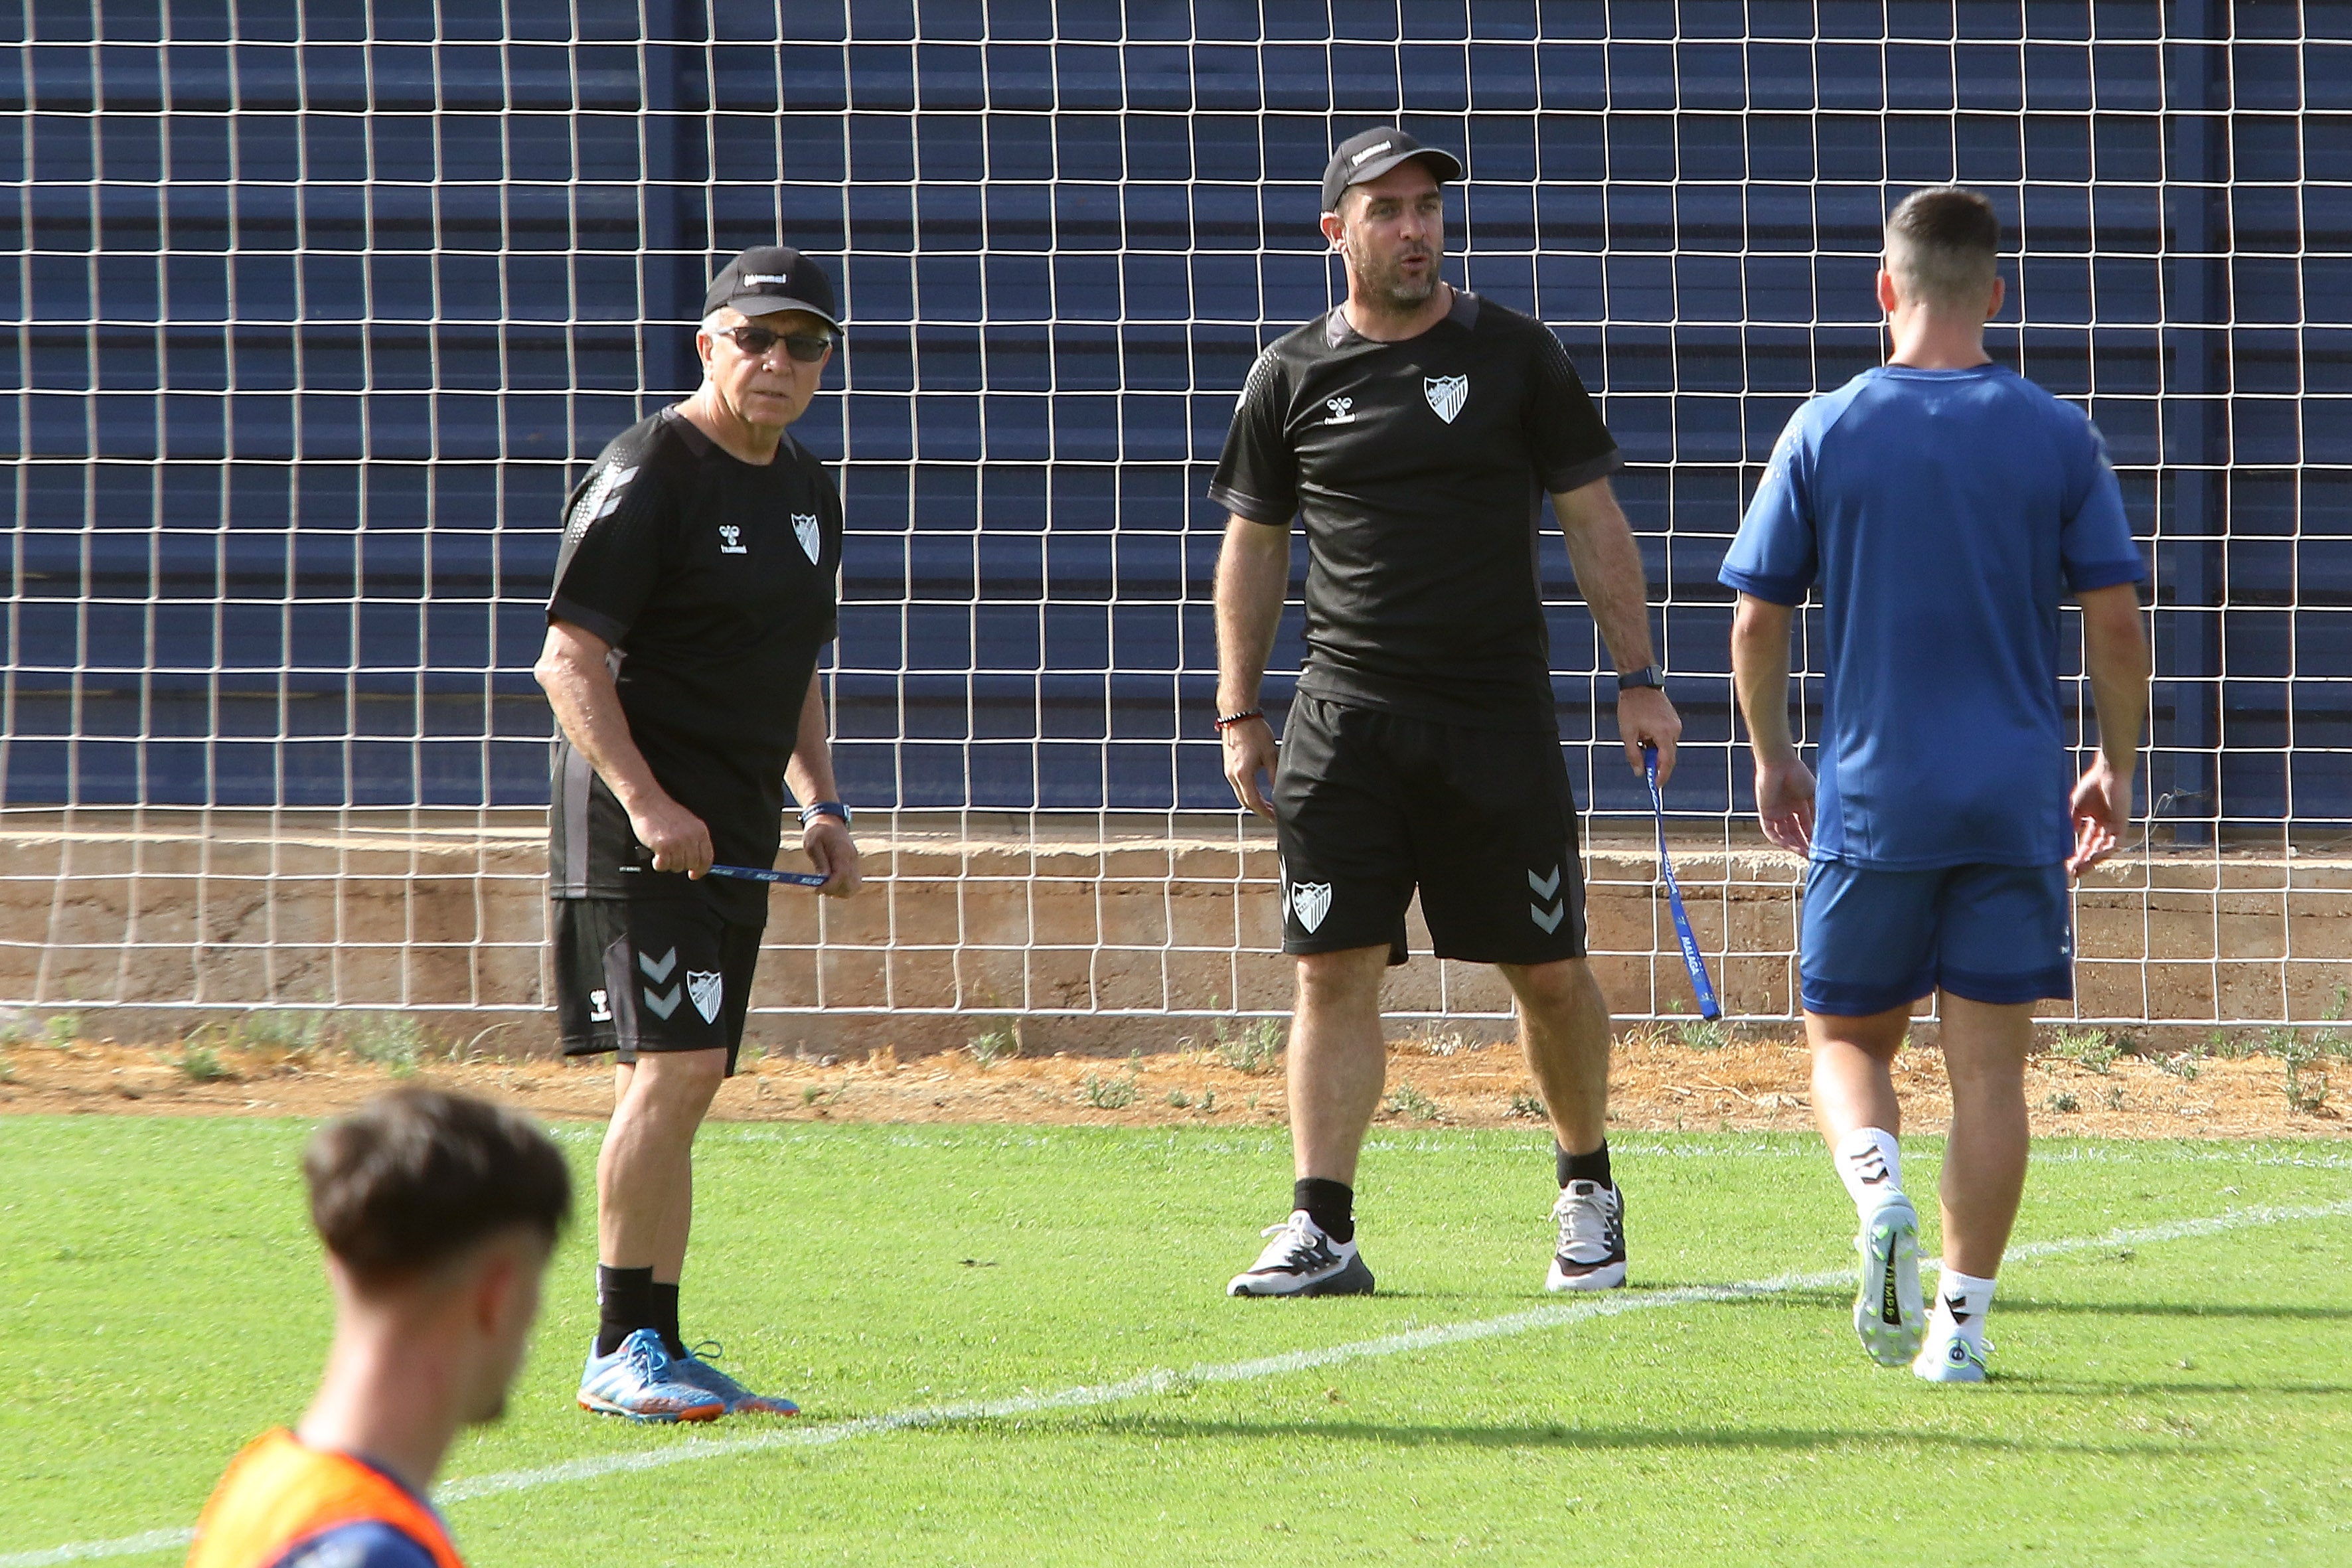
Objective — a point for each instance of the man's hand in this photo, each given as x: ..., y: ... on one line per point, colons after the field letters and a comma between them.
x: 830, y: 848
x: 680, y: 840
x: 1784, y: 804
x: 1249, y: 752
x: 1644, y: 718
x: 2102, y: 815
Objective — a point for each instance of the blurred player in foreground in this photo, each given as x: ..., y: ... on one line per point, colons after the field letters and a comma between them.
x: 1415, y: 430
x: 693, y: 596
x: 438, y: 1212
x: 1944, y: 505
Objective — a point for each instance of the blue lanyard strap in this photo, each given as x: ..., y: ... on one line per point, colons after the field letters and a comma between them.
x: 1701, y: 987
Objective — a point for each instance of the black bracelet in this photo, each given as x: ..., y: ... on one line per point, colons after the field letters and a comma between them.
x: 832, y: 808
x: 1226, y: 721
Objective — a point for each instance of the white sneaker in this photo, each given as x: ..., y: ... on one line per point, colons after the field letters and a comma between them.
x: 1302, y: 1261
x: 1952, y: 1358
x: 1888, y: 1317
x: 1591, y: 1252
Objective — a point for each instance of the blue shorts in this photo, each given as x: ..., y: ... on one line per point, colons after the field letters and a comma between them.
x: 1873, y: 940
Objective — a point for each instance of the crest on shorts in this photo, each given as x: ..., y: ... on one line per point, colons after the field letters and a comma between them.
x: 1446, y: 394
x: 704, y: 989
x: 805, y: 529
x: 1312, y: 901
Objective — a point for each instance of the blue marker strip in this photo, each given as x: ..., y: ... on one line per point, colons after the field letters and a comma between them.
x: 790, y: 878
x: 1701, y: 987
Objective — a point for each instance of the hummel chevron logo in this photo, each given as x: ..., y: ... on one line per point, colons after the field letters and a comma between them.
x: 1549, y: 914
x: 1957, y: 1307
x: 666, y: 1003
x: 658, y: 973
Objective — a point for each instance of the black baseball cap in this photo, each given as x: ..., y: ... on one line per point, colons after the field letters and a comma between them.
x: 771, y: 278
x: 1368, y: 154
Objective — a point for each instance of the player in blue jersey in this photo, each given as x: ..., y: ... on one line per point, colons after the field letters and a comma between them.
x: 1943, y: 505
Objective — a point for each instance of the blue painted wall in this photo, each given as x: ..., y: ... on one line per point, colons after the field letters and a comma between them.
x: 316, y: 326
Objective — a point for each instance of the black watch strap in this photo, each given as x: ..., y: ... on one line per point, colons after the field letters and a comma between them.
x: 1649, y: 675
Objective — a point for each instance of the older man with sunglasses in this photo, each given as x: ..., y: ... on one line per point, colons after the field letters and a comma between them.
x: 694, y: 592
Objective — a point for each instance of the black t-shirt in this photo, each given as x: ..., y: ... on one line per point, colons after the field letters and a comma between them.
x: 713, y: 580
x: 1420, y: 467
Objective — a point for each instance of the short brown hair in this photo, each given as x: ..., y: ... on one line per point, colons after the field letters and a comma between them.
x: 416, y: 1177
x: 1942, y: 243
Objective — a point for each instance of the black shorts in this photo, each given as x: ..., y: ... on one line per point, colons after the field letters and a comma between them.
x: 650, y: 974
x: 1368, y: 805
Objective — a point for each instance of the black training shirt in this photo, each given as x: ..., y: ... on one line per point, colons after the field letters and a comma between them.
x: 1420, y: 469
x: 713, y: 580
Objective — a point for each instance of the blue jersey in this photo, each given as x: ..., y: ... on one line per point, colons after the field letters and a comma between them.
x: 1943, y: 514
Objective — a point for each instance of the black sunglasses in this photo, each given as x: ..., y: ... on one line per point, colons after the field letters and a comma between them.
x: 806, y: 347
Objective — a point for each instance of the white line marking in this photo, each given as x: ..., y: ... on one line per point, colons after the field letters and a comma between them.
x: 1144, y: 1384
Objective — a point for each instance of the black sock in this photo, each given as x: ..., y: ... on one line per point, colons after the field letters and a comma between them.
x: 624, y: 1303
x: 664, y: 1299
x: 1331, y: 1205
x: 1592, y: 1167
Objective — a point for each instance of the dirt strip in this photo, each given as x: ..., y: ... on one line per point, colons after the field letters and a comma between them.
x: 1663, y: 1081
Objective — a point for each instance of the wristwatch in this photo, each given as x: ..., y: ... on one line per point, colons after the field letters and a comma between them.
x: 1649, y: 675
x: 832, y: 808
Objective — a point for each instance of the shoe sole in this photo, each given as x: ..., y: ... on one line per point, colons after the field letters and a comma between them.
x: 711, y: 1412
x: 1608, y: 1277
x: 1355, y: 1279
x: 1889, y: 1316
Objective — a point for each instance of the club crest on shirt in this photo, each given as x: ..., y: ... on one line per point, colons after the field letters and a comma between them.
x: 705, y: 988
x: 1446, y: 394
x: 805, y: 529
x: 731, y: 540
x: 1341, y: 410
x: 1312, y: 901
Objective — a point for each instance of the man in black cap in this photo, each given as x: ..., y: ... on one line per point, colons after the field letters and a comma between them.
x: 695, y: 589
x: 1416, y: 429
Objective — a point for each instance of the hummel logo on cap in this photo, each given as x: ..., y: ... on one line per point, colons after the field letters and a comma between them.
x: 772, y: 278
x: 1368, y: 154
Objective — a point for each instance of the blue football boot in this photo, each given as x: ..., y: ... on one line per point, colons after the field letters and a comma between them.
x: 691, y: 1368
x: 639, y: 1379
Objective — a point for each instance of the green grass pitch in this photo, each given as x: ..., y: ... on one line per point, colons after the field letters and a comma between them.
x: 2183, y: 1395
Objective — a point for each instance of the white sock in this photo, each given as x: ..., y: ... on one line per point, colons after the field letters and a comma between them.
x: 1870, y: 1165
x: 1961, y: 1302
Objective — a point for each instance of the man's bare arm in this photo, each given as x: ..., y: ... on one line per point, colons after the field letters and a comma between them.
x: 1608, y: 566
x: 1760, y: 672
x: 809, y: 776
x: 2114, y: 658
x: 1252, y: 576
x: 573, y: 671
